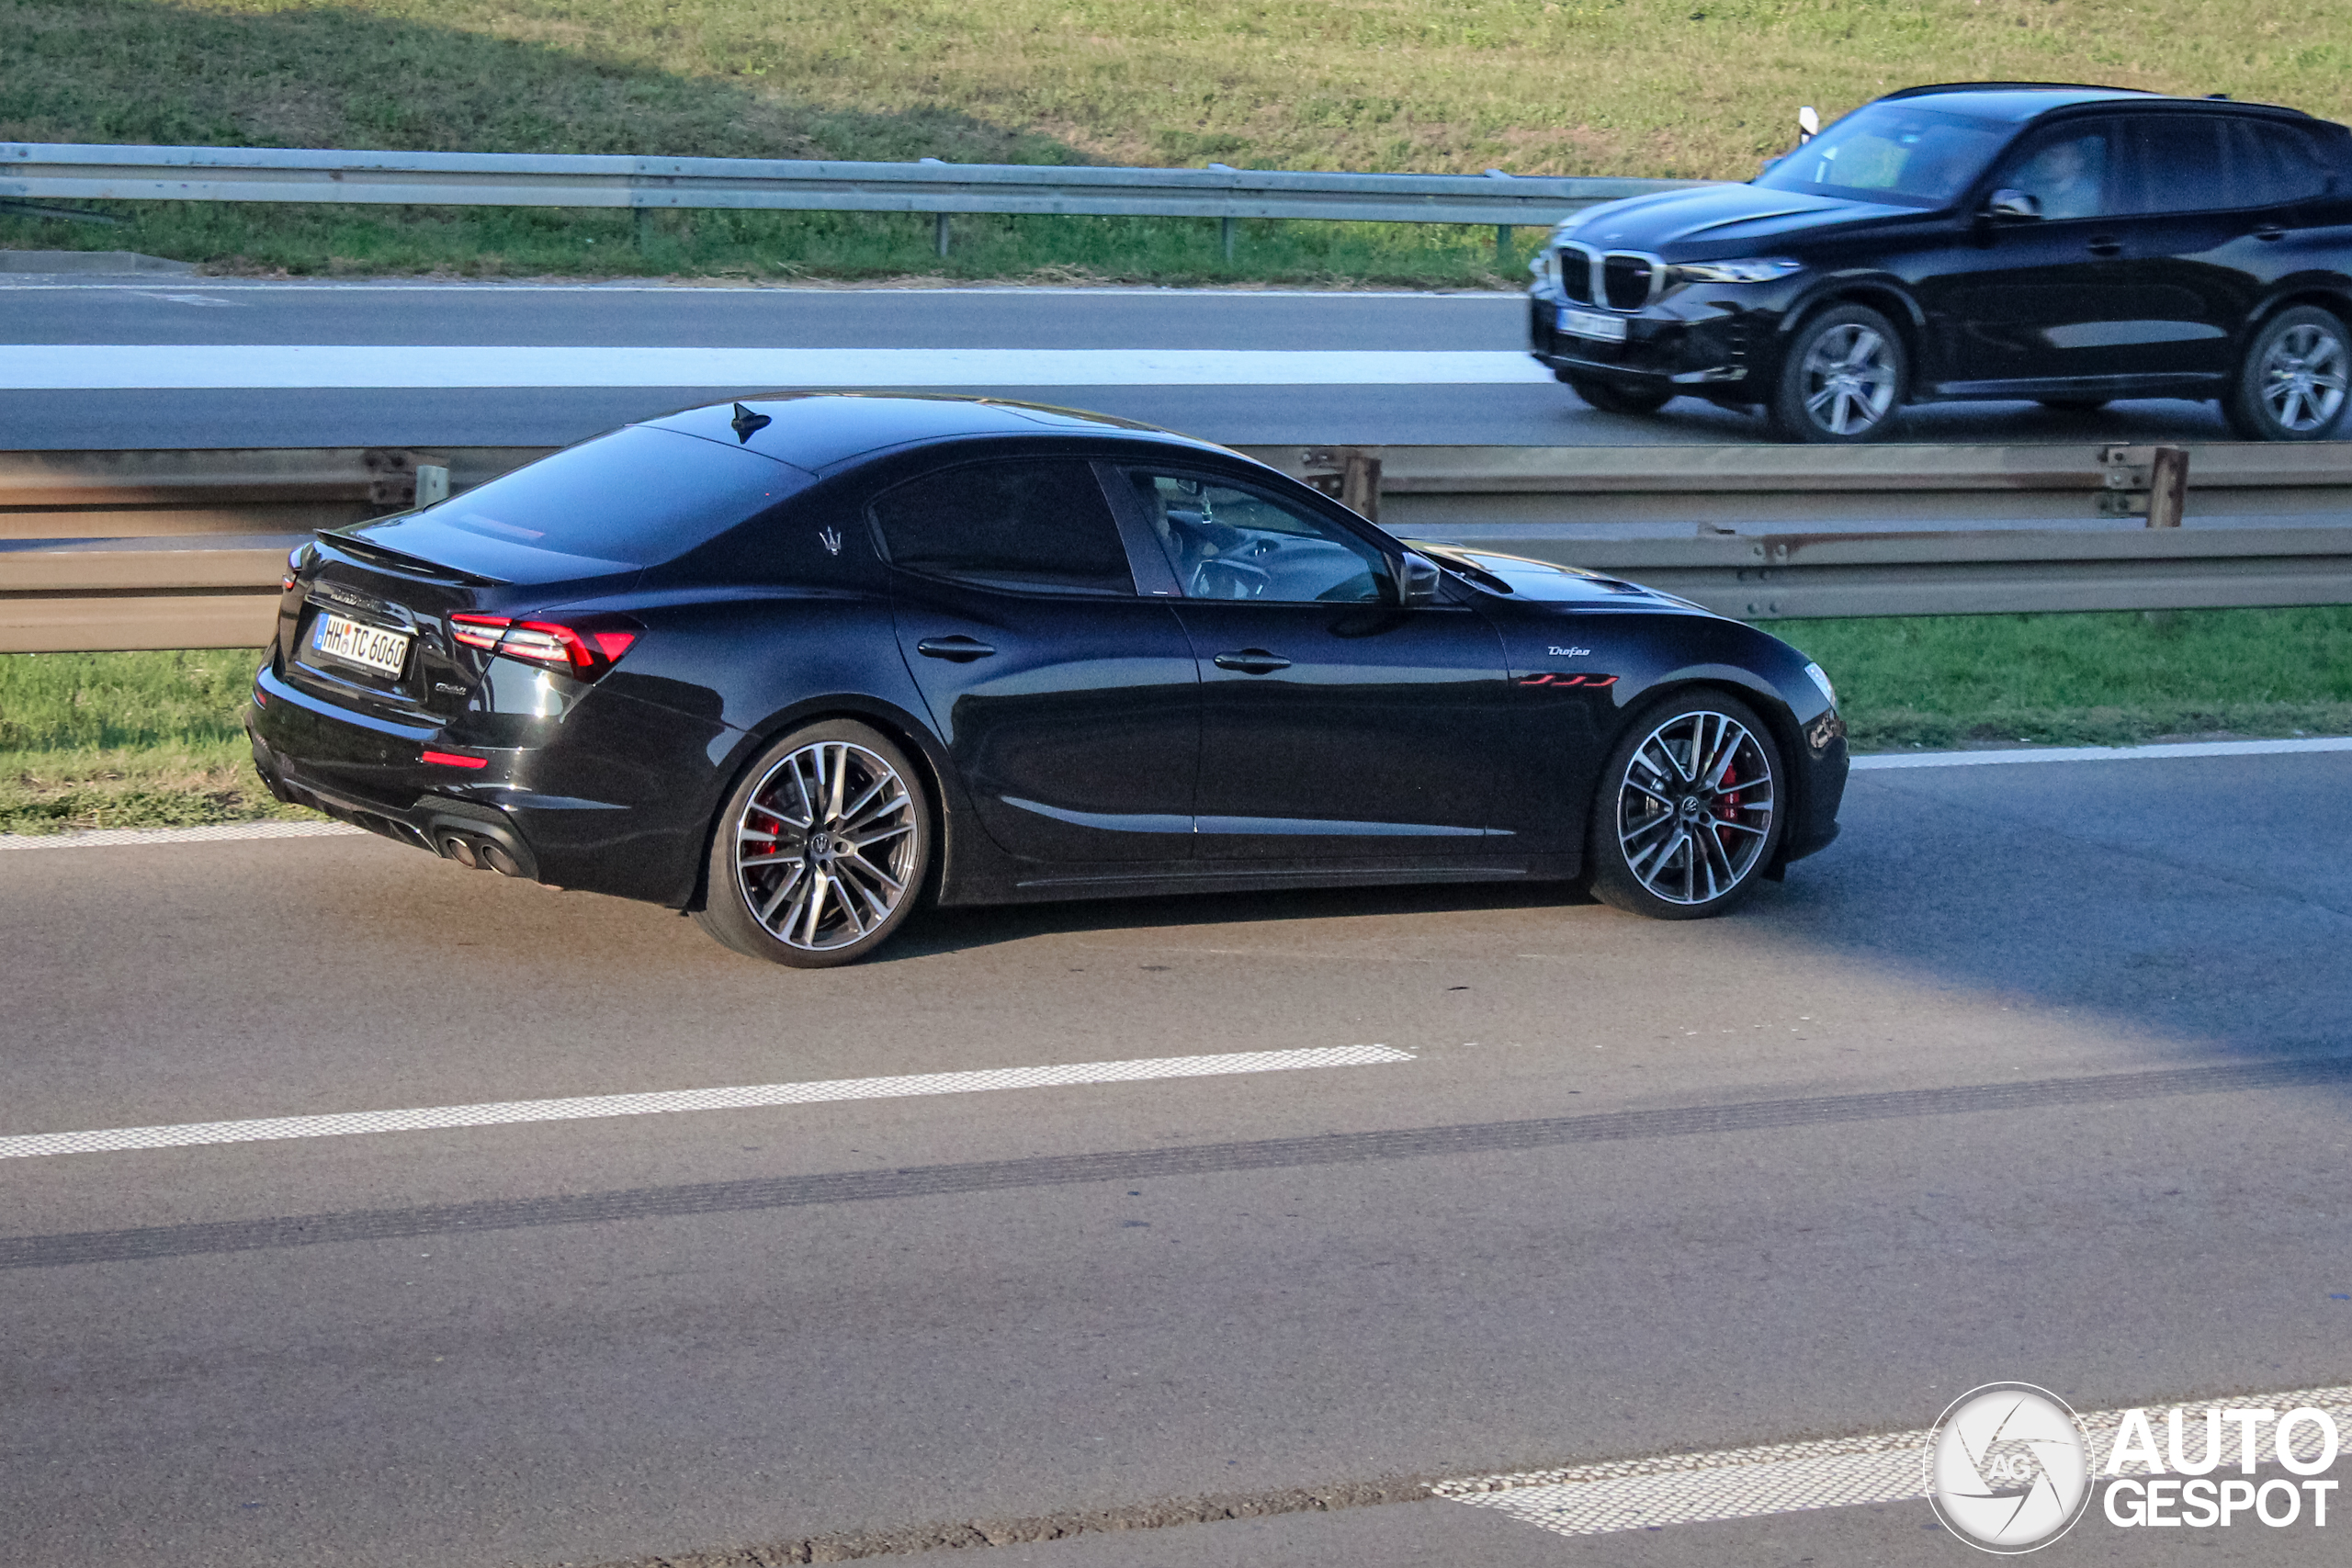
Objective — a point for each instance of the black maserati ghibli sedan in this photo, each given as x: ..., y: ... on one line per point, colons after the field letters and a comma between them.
x: 799, y: 664
x: 1985, y: 240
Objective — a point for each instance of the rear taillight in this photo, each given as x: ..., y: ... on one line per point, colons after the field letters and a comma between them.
x: 293, y: 569
x: 585, y: 652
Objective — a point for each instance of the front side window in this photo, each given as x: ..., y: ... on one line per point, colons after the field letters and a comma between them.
x: 1227, y: 542
x: 1035, y: 525
x: 2067, y: 173
x: 1888, y: 153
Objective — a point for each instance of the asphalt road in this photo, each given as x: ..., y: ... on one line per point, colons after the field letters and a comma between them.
x: 1256, y: 407
x: 717, y: 1330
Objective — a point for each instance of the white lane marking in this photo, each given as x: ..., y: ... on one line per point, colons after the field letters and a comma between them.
x: 745, y: 1097
x: 2105, y: 753
x: 1515, y: 298
x: 231, y: 831
x: 189, y: 366
x: 219, y: 832
x: 1782, y: 1478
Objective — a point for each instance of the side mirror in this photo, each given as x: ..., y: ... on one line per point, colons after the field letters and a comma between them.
x: 2013, y: 204
x: 1808, y: 124
x: 1417, y: 581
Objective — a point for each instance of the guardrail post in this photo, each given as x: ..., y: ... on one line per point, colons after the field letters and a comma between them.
x: 432, y: 483
x: 644, y: 229
x: 2168, y: 487
x: 1225, y: 235
x: 939, y: 235
x: 1502, y: 245
x: 1356, y: 484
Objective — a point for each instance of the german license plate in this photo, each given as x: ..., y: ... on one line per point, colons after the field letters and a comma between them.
x: 1592, y: 324
x: 371, y: 648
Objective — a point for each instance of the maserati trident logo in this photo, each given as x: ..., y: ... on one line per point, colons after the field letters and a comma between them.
x: 2007, y: 1468
x: 831, y: 540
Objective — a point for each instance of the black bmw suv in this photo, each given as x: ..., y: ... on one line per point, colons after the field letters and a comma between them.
x: 2067, y: 244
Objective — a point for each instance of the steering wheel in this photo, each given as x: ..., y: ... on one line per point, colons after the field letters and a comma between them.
x: 1221, y: 577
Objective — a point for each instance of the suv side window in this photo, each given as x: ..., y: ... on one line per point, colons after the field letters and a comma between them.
x: 2273, y: 164
x: 2181, y: 164
x: 2068, y: 171
x: 1041, y: 525
x: 1225, y: 542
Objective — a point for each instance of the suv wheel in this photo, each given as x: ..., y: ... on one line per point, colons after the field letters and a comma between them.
x: 1610, y: 398
x: 2291, y: 385
x: 1844, y: 380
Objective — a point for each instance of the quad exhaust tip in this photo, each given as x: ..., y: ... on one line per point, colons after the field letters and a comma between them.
x: 480, y: 854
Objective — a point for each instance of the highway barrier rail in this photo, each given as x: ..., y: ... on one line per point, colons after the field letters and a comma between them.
x: 184, y: 550
x: 72, y: 171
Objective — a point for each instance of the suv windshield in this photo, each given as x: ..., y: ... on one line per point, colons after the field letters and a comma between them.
x: 1890, y: 152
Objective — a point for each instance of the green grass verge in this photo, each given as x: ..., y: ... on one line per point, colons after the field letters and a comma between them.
x: 1655, y: 88
x: 153, y: 740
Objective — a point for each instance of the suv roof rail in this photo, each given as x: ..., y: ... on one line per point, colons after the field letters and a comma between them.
x: 1998, y: 86
x: 2086, y: 87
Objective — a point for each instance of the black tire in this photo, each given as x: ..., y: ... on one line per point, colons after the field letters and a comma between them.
x: 1609, y: 397
x: 2291, y: 385
x: 2073, y: 405
x: 1644, y: 857
x: 838, y: 880
x: 1845, y: 379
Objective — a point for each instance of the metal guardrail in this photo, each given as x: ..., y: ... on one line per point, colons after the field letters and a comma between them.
x: 63, y: 170
x: 183, y: 549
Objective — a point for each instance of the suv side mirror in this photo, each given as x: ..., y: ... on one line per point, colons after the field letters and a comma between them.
x: 2012, y: 204
x: 1417, y: 581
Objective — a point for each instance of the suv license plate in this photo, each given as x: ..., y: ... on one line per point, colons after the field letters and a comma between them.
x: 1593, y: 324
x: 368, y: 646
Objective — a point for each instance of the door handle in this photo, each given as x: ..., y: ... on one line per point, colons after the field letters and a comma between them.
x: 2270, y: 231
x: 962, y: 649
x: 1252, y: 662
x: 2103, y: 246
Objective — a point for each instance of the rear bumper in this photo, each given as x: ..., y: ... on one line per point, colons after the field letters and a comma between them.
x: 563, y: 813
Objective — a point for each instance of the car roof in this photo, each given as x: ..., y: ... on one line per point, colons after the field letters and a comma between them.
x: 819, y: 430
x: 2021, y: 101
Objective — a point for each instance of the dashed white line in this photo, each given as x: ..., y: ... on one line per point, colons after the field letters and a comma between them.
x: 1781, y: 1478
x: 225, y: 832
x: 186, y: 367
x: 184, y: 1134
x: 2166, y: 753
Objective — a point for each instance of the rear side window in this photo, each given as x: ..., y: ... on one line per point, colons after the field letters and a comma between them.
x: 2182, y: 164
x: 2274, y: 163
x: 1032, y: 523
x: 638, y: 497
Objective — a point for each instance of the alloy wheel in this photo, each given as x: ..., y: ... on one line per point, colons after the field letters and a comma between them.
x: 2303, y: 378
x: 1849, y: 380
x: 1694, y: 810
x: 825, y: 846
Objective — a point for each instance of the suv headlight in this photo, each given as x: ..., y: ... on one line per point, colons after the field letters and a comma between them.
x: 1821, y: 679
x: 1765, y: 270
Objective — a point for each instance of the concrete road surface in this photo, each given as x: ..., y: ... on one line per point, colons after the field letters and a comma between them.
x: 2039, y: 1074
x: 206, y: 337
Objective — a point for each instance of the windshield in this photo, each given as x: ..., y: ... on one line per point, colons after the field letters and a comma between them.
x: 638, y: 497
x: 1892, y: 154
